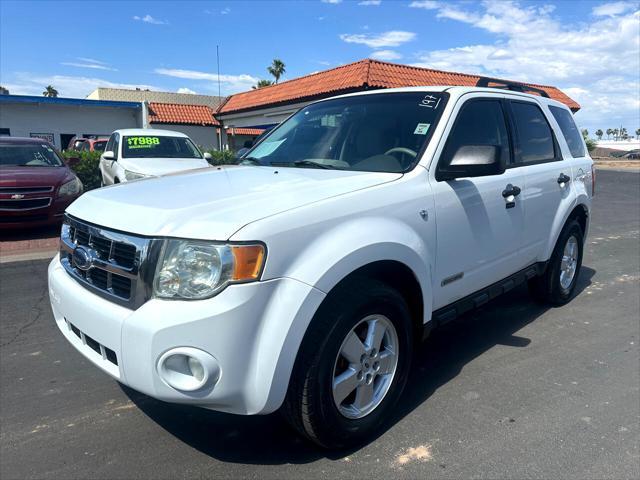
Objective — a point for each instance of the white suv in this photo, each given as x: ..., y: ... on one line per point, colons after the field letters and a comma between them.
x: 136, y: 153
x: 302, y: 278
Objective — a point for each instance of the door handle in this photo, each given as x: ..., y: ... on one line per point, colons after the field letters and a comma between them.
x: 511, y: 190
x: 563, y: 179
x: 510, y: 193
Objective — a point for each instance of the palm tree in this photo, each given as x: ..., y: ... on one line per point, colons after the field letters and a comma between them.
x: 276, y: 69
x: 615, y: 133
x: 585, y: 133
x: 638, y: 133
x: 50, y: 92
x: 609, y: 132
x: 623, y: 133
x: 3, y: 91
x: 599, y: 133
x: 262, y: 83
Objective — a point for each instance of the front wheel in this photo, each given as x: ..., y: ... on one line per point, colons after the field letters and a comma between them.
x: 557, y: 284
x: 352, y: 365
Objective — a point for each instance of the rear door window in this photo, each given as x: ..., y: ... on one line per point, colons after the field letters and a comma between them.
x: 569, y: 130
x: 534, y: 138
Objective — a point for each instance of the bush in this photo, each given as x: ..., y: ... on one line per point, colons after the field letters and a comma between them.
x: 591, y: 144
x: 225, y: 157
x: 87, y: 169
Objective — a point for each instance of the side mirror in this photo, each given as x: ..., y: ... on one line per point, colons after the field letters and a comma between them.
x: 109, y: 155
x: 473, y: 161
x: 207, y: 156
x: 71, y: 161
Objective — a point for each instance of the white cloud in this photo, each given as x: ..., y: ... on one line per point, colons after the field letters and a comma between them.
x: 84, y: 62
x: 370, y: 2
x: 186, y: 90
x: 67, y: 86
x: 392, y: 38
x: 426, y: 4
x: 225, y: 11
x: 230, y: 83
x: 334, y: 2
x: 385, y: 55
x: 149, y: 19
x: 596, y: 61
x: 611, y: 9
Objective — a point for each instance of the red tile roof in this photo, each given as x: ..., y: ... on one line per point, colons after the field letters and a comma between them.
x: 181, y: 114
x: 244, y: 131
x: 356, y: 76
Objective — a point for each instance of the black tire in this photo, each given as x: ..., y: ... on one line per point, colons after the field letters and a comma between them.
x: 309, y: 406
x: 115, y: 180
x: 547, y: 287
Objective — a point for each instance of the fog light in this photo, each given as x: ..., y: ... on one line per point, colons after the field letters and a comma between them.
x: 188, y: 369
x: 197, y: 370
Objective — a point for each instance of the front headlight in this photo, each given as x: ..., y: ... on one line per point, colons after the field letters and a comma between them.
x: 129, y: 175
x: 191, y: 269
x: 72, y: 187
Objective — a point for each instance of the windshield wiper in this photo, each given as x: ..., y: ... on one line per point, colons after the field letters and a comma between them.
x: 253, y: 160
x: 311, y: 163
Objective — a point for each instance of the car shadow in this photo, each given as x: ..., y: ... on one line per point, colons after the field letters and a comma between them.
x: 267, y: 440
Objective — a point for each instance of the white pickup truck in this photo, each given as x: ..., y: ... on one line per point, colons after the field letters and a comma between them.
x: 302, y: 278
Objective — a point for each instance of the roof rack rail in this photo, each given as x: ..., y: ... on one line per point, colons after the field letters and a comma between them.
x: 505, y: 84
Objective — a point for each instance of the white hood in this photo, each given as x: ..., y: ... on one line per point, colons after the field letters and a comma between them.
x: 161, y: 166
x: 214, y: 203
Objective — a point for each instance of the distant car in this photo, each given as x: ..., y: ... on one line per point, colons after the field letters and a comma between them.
x: 137, y: 153
x: 632, y: 155
x: 94, y: 144
x: 75, y: 143
x: 35, y: 183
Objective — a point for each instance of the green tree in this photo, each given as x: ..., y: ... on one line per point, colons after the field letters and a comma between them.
x: 585, y: 133
x: 615, y: 133
x: 276, y: 69
x: 609, y: 132
x: 3, y: 91
x: 262, y: 83
x: 637, y: 132
x: 50, y: 92
x: 599, y: 133
x: 623, y: 133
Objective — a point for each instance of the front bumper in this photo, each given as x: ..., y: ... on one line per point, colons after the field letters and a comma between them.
x: 252, y: 330
x: 49, y: 215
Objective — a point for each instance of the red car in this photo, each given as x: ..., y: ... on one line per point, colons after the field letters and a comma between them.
x: 36, y: 185
x: 90, y: 144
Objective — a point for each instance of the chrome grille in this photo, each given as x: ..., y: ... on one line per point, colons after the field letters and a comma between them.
x: 121, y: 265
x: 25, y: 190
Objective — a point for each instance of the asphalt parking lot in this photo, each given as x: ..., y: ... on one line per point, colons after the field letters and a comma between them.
x: 514, y: 390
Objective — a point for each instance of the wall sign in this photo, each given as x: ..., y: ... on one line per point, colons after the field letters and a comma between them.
x: 45, y: 136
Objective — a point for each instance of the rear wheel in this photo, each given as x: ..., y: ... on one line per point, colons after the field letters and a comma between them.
x: 352, y: 365
x: 557, y: 285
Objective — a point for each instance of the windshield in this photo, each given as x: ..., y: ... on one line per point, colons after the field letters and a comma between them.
x: 99, y: 145
x: 379, y: 133
x: 159, y: 147
x: 29, y: 155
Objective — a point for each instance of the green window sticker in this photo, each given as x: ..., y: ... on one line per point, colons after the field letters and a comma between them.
x: 422, y: 129
x: 142, y: 142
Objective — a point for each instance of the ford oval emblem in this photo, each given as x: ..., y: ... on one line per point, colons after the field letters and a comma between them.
x: 82, y: 258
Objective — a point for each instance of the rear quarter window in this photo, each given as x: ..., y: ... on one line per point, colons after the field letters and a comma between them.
x: 569, y: 130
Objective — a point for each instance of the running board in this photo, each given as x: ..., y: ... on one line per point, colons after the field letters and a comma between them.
x: 454, y: 310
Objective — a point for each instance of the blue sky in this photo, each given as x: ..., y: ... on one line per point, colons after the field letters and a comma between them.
x: 590, y: 49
